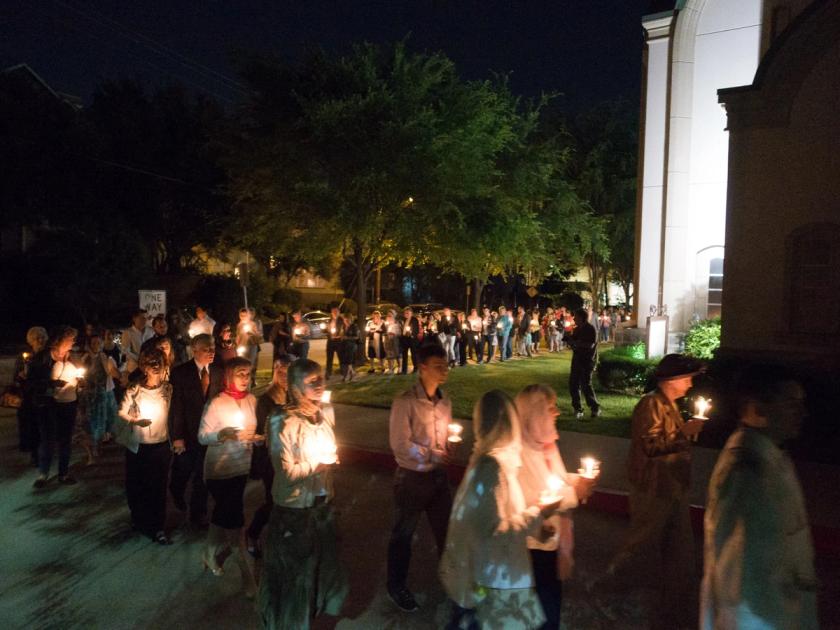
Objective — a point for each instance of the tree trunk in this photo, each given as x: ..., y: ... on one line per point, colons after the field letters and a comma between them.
x: 477, y: 289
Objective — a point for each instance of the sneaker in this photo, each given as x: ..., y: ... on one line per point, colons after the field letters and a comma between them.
x: 67, y: 480
x: 578, y: 415
x: 403, y: 599
x: 40, y: 482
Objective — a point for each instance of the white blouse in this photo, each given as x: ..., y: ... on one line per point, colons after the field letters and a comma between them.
x: 230, y: 458
x: 65, y: 371
x: 148, y: 404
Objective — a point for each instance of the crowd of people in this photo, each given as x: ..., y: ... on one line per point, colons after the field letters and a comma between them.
x: 504, y: 539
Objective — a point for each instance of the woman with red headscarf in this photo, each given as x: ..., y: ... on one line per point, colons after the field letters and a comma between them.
x: 228, y: 429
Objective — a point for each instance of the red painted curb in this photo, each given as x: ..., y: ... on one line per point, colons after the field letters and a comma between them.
x: 826, y: 539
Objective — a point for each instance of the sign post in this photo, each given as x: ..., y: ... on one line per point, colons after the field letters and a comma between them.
x: 153, y: 301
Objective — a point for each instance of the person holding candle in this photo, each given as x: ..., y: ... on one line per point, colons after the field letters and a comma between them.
x: 418, y: 432
x: 390, y: 342
x: 53, y: 379
x: 758, y: 553
x: 449, y: 328
x: 462, y: 336
x: 194, y: 383
x: 248, y: 336
x: 375, y: 330
x: 225, y: 346
x: 335, y: 335
x: 28, y: 412
x: 99, y: 404
x: 143, y: 430
x: 489, y: 330
x: 228, y: 430
x: 302, y: 573
x: 659, y: 467
x: 551, y: 556
x: 485, y: 569
x: 349, y: 345
x: 474, y: 340
x: 301, y: 333
x: 203, y: 324
x: 409, y: 340
x: 133, y: 338
x: 270, y: 403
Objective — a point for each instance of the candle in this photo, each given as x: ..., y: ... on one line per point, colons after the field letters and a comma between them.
x: 321, y: 449
x: 80, y: 372
x: 332, y: 330
x: 589, y: 467
x: 407, y: 329
x: 241, y: 350
x: 463, y: 326
x: 25, y: 356
x: 567, y: 323
x: 455, y: 431
x: 701, y: 406
x: 239, y: 419
x: 499, y: 325
x: 551, y: 494
x: 326, y: 396
x: 447, y: 318
x: 297, y: 330
x: 247, y: 328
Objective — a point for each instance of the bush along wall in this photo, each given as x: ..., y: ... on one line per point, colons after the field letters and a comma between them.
x: 625, y: 370
x: 703, y: 338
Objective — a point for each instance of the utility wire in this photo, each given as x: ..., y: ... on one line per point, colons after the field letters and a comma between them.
x: 155, y: 46
x: 139, y: 57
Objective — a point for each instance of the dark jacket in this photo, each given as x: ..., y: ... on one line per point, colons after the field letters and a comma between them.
x: 584, y: 343
x: 188, y: 400
x: 413, y: 326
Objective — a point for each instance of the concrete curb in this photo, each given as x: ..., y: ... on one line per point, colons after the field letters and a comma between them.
x: 826, y: 539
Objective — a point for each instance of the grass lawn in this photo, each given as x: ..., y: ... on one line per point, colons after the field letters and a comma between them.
x: 466, y: 385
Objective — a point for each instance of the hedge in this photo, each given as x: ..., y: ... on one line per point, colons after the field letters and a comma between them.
x: 621, y: 370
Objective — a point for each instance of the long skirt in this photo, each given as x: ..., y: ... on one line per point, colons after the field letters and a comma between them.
x: 510, y: 608
x: 301, y: 576
x: 100, y: 410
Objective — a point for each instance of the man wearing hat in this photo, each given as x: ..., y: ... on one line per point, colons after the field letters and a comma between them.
x: 659, y: 467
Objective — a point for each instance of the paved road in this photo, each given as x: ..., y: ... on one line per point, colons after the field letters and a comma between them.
x: 69, y: 560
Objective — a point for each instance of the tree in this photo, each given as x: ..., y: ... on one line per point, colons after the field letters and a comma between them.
x: 605, y: 147
x: 370, y: 156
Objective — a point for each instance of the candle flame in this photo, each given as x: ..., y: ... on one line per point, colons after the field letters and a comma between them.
x: 555, y: 483
x: 241, y: 350
x: 80, y: 372
x: 701, y: 406
x: 455, y: 431
x: 326, y: 396
x: 590, y: 467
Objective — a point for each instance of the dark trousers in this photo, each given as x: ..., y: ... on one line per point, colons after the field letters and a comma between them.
x: 549, y: 588
x: 487, y: 342
x: 414, y: 494
x: 28, y: 434
x: 301, y: 349
x: 580, y: 379
x: 145, y: 486
x: 190, y: 465
x: 229, y: 501
x: 55, y: 426
x: 406, y: 346
x: 462, y: 344
x: 333, y: 349
x: 263, y: 513
x: 475, y: 345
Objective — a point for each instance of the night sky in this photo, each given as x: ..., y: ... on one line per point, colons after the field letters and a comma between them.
x: 590, y: 50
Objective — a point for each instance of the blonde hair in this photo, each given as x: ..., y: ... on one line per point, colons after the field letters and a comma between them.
x: 530, y: 397
x: 36, y: 334
x: 495, y: 422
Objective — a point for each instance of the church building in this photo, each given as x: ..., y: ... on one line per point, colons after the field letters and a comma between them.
x: 738, y: 211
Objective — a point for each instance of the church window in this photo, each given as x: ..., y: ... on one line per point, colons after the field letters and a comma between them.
x: 714, y: 301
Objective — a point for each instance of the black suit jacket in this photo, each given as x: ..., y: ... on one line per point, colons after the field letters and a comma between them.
x: 188, y: 400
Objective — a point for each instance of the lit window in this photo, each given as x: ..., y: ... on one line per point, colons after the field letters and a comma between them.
x: 714, y: 300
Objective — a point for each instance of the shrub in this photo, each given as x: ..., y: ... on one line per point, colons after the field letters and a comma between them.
x: 703, y: 338
x: 621, y: 370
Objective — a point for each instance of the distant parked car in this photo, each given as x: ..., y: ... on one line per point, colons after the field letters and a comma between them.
x: 317, y: 321
x: 426, y: 307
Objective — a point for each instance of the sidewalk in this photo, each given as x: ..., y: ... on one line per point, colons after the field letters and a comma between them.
x: 363, y: 435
